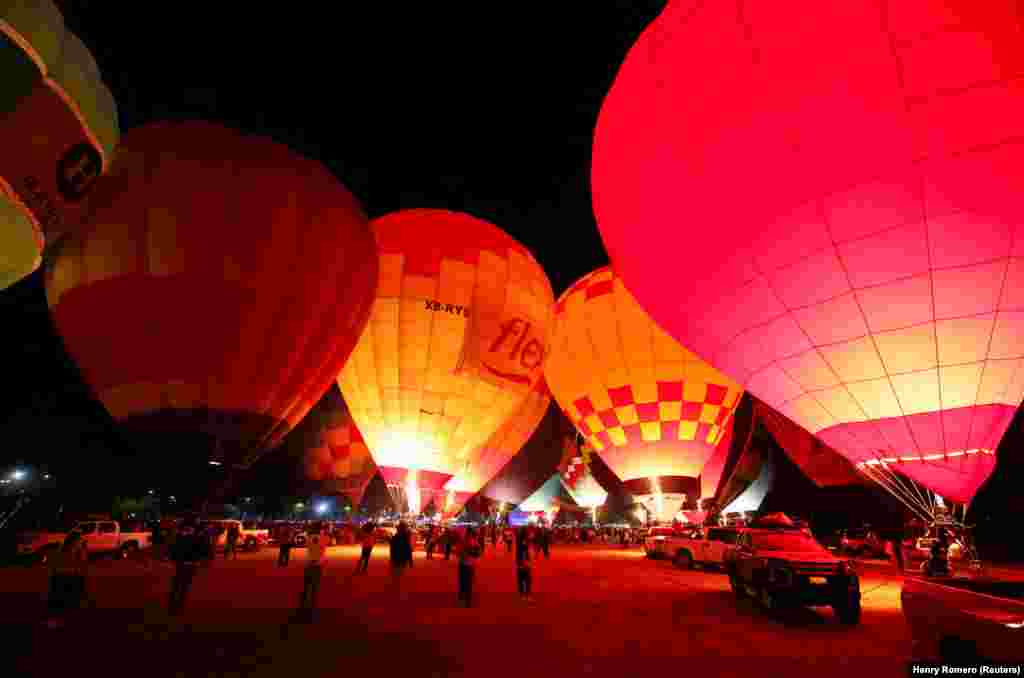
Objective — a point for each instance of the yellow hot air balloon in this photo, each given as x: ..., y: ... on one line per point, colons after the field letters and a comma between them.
x: 459, y: 331
x: 652, y: 409
x: 507, y: 441
x: 58, y: 130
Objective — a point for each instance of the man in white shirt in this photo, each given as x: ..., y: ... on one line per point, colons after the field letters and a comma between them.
x: 316, y: 559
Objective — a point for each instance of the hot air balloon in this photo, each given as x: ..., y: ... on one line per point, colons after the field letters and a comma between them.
x: 459, y: 330
x: 651, y: 409
x: 218, y: 291
x: 58, y: 130
x: 828, y: 210
x: 500, y: 448
x: 335, y: 451
x: 578, y: 477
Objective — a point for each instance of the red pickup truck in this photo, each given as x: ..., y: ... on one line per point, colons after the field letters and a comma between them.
x: 965, y: 621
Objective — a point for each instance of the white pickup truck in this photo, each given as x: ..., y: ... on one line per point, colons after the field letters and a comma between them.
x: 686, y: 551
x: 101, y: 536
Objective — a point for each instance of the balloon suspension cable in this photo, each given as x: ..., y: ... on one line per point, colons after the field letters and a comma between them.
x: 888, y: 481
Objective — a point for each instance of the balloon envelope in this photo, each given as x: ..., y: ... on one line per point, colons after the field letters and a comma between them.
x: 459, y: 330
x: 485, y: 462
x: 58, y: 130
x: 824, y: 202
x: 335, y: 451
x: 218, y: 291
x: 647, y: 405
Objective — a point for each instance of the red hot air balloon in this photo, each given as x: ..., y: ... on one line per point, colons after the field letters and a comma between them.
x: 220, y: 288
x: 823, y: 201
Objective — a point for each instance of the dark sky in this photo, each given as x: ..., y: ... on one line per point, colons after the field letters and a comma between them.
x: 487, y: 108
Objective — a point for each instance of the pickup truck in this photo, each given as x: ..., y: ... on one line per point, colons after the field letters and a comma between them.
x: 110, y: 536
x: 101, y: 536
x: 787, y: 566
x: 249, y: 538
x: 694, y: 548
x: 964, y: 621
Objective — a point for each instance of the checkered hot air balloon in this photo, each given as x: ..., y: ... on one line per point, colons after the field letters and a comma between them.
x: 335, y: 451
x: 647, y: 405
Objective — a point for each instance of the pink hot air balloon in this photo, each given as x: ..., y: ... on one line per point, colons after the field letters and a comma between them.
x: 834, y: 192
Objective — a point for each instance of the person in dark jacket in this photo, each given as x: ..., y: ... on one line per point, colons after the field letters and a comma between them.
x: 449, y: 541
x: 189, y: 548
x: 523, y: 574
x: 401, y: 554
x: 231, y: 547
x: 285, y: 540
x: 367, y: 540
x: 469, y: 551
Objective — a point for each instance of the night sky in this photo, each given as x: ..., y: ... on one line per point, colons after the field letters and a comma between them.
x: 487, y: 108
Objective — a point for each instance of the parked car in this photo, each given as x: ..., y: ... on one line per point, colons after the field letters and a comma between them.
x: 782, y: 566
x: 964, y: 621
x: 656, y: 542
x: 39, y: 545
x: 861, y: 541
x: 249, y: 537
x: 707, y: 550
x: 108, y: 536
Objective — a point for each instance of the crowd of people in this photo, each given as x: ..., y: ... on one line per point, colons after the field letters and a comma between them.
x: 191, y: 544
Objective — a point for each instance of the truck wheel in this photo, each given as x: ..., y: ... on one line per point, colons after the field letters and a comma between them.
x: 769, y: 601
x: 44, y: 554
x: 955, y: 650
x: 683, y: 560
x: 128, y: 550
x: 737, y: 585
x: 848, y: 612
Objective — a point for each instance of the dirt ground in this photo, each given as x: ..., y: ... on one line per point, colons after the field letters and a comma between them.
x: 597, y: 610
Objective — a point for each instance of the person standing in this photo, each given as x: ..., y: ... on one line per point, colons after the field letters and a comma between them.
x: 156, y: 544
x: 368, y: 539
x: 285, y: 540
x: 316, y: 559
x: 68, y: 568
x: 431, y: 538
x: 449, y: 538
x: 508, y: 537
x: 401, y: 555
x: 523, y: 575
x: 231, y: 548
x: 469, y: 551
x: 189, y: 549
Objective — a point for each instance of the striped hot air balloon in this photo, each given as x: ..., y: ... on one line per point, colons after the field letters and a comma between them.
x: 218, y: 291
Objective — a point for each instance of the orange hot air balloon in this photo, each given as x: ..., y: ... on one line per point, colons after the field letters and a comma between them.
x: 577, y: 477
x: 652, y: 410
x: 505, y: 443
x: 219, y: 290
x: 335, y: 451
x: 459, y: 330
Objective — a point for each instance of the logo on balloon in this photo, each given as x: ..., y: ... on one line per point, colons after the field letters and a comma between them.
x: 77, y: 171
x: 515, y: 353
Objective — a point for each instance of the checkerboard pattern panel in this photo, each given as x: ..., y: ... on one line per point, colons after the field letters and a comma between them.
x: 672, y: 417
